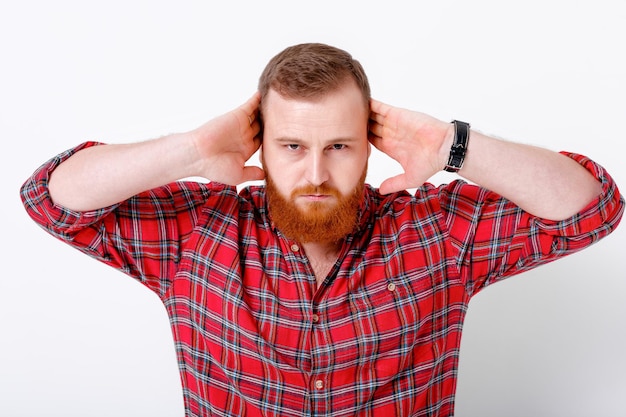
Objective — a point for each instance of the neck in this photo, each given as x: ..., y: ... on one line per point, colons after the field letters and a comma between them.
x: 322, y: 250
x: 322, y: 257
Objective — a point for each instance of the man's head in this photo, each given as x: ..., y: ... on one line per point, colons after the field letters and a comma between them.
x: 315, y: 111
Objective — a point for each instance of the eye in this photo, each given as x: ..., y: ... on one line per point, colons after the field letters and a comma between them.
x: 293, y: 146
x: 338, y: 146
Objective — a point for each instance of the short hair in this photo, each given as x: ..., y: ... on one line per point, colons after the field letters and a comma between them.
x: 311, y: 70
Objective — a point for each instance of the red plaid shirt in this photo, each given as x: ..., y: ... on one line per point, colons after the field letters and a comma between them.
x: 380, y: 337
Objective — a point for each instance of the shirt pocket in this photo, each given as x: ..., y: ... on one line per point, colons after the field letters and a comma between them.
x: 392, y: 322
x: 387, y: 311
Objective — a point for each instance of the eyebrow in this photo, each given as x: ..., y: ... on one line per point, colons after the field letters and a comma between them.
x: 287, y: 140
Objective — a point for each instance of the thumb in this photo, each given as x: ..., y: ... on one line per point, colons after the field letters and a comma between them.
x: 252, y: 173
x: 393, y: 184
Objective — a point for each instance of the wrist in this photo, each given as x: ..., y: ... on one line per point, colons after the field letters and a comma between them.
x: 184, y: 154
x: 458, y: 146
x: 446, y: 145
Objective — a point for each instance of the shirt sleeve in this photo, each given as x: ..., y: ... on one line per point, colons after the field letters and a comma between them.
x: 143, y: 236
x: 493, y: 239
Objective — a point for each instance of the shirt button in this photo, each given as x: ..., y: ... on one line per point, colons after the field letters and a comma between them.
x: 295, y: 247
x: 315, y: 318
x: 319, y: 384
x: 391, y: 286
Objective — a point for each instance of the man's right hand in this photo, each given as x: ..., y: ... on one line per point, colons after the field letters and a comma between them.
x: 225, y: 144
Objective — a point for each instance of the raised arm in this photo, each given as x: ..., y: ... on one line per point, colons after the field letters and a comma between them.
x: 544, y: 183
x: 99, y: 176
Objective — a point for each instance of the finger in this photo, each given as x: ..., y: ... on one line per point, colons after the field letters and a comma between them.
x: 253, y: 102
x: 251, y: 106
x: 379, y: 108
x: 378, y: 118
x: 376, y: 129
x: 393, y: 184
x: 256, y: 143
x: 375, y: 140
x: 256, y: 127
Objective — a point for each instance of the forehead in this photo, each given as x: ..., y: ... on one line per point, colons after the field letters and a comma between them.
x: 341, y: 112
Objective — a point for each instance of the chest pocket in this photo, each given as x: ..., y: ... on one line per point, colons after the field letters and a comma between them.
x: 390, y: 313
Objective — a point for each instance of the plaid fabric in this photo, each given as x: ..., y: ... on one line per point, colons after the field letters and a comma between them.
x: 380, y: 337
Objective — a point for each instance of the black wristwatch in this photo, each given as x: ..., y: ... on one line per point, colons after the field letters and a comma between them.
x: 459, y: 146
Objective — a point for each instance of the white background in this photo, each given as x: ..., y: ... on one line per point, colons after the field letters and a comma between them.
x: 80, y: 339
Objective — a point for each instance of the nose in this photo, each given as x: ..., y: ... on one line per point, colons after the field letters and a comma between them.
x: 317, y: 169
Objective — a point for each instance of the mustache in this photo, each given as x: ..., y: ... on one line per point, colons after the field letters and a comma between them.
x: 315, y: 189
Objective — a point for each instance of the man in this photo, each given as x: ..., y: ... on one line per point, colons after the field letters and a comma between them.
x: 318, y: 294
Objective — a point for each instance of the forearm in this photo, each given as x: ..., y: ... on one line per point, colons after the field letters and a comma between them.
x: 99, y: 176
x: 542, y: 182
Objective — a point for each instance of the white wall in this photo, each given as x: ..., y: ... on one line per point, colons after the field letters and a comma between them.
x: 80, y: 339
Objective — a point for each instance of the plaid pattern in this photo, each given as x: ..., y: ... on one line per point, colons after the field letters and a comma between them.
x: 380, y: 337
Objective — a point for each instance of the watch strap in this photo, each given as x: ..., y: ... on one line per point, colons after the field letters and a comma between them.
x: 459, y: 146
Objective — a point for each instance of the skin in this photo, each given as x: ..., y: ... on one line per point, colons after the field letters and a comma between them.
x: 310, y: 143
x: 322, y: 141
x: 99, y: 176
x: 313, y: 143
x: 542, y: 182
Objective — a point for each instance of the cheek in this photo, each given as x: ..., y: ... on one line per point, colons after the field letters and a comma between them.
x: 277, y: 169
x: 284, y: 172
x: 282, y: 178
x: 347, y: 176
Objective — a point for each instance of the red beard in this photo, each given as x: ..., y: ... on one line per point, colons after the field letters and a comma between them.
x: 319, y: 222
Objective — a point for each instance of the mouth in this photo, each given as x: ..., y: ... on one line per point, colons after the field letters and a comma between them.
x: 316, y: 197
